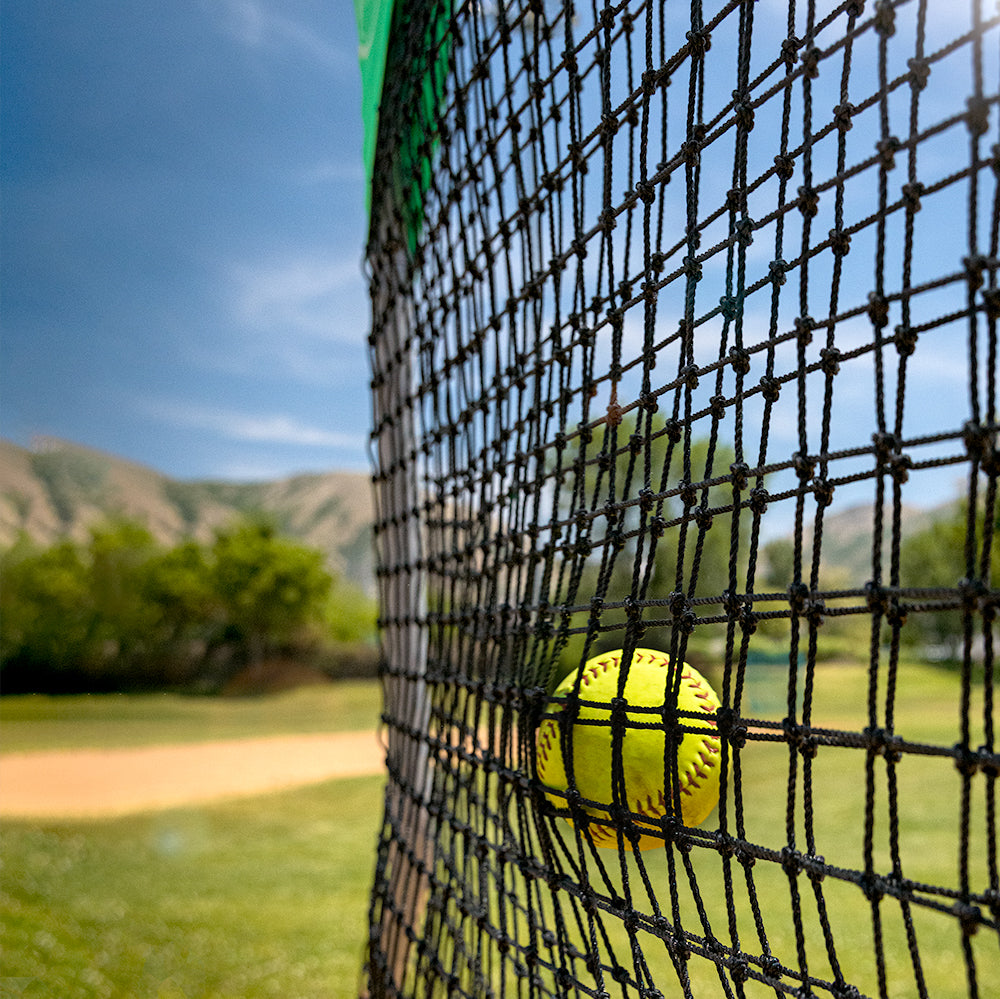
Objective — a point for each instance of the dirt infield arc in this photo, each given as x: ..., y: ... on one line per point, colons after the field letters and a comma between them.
x: 93, y: 783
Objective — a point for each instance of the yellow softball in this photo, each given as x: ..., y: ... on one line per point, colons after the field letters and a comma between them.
x: 649, y: 681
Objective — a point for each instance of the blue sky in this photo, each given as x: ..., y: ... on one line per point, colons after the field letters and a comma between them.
x: 183, y: 233
x: 184, y: 225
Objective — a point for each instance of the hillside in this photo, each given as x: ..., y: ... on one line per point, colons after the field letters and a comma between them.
x: 58, y: 489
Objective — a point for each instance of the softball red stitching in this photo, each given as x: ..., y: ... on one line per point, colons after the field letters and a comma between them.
x: 544, y: 741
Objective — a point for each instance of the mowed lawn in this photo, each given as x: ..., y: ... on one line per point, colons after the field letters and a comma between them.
x: 35, y: 721
x: 258, y: 897
x: 267, y: 896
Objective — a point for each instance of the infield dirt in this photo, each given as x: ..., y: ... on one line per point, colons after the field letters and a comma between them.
x: 96, y: 783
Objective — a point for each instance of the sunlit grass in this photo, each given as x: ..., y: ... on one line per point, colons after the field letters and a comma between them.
x: 268, y: 896
x: 37, y: 721
x: 927, y: 710
x: 265, y: 897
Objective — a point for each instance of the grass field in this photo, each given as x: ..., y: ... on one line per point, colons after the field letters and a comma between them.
x: 35, y: 721
x: 267, y: 896
x: 263, y: 897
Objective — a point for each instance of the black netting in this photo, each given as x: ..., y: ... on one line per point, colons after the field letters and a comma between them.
x: 683, y: 316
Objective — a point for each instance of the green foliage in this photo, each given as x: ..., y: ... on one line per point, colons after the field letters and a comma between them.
x: 936, y: 557
x: 691, y: 555
x: 271, y: 588
x: 45, y: 607
x: 260, y: 898
x: 122, y: 612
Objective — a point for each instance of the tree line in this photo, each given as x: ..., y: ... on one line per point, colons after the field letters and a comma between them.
x: 694, y: 561
x: 123, y: 612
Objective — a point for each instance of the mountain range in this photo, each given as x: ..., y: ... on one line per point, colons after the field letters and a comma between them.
x: 60, y: 489
x: 56, y: 489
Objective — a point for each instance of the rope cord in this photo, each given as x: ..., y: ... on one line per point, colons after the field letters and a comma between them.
x: 696, y: 325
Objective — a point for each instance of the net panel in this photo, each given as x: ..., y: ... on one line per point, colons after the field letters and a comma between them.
x: 685, y: 314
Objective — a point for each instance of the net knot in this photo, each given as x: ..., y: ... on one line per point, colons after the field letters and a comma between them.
x: 823, y: 491
x: 738, y: 356
x: 887, y: 149
x: 725, y: 844
x: 790, y: 50
x: 969, y: 916
x: 699, y: 41
x: 885, y: 18
x: 791, y: 861
x: 744, y: 231
x: 842, y: 114
x: 759, y: 498
x: 906, y: 340
x: 840, y: 242
x: 777, y: 269
x: 899, y: 467
x: 692, y: 268
x: 810, y: 62
x: 740, y: 472
x: 808, y: 202
x: 896, y: 614
x: 784, y: 166
x: 798, y: 596
x: 830, y: 361
x: 972, y: 592
x: 688, y: 376
x: 911, y: 196
x: 878, y: 310
x: 920, y: 70
x: 989, y: 762
x: 770, y: 388
x: 877, y: 598
x: 974, y: 266
x: 743, y: 106
x: 803, y: 464
x: 991, y: 302
x: 980, y: 445
x: 872, y: 885
x: 770, y: 966
x: 646, y: 192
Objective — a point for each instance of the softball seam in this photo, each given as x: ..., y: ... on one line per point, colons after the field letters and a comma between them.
x: 689, y: 780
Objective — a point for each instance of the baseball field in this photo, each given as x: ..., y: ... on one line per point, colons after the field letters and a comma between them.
x: 243, y: 893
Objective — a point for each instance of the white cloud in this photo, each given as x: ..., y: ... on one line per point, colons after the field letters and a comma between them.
x: 255, y: 25
x: 332, y: 170
x: 258, y: 428
x: 302, y: 296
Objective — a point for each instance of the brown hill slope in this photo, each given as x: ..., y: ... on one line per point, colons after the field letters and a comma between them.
x: 59, y: 489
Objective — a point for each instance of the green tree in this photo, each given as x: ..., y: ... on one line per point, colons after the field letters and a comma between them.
x: 126, y: 620
x: 690, y: 544
x: 271, y: 589
x: 48, y: 632
x: 936, y: 558
x: 179, y: 584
